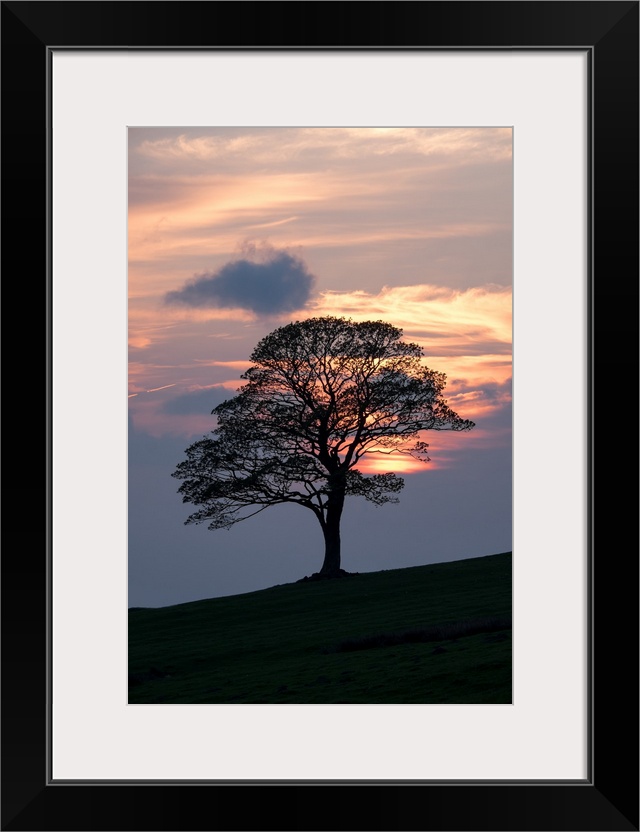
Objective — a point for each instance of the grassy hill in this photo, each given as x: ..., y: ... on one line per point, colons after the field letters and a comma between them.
x: 435, y: 634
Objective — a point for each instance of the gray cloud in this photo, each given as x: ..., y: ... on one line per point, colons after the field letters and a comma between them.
x: 496, y: 391
x: 497, y: 394
x: 197, y: 401
x: 278, y: 283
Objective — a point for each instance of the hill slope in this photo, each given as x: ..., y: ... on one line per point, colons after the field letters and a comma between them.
x: 368, y: 638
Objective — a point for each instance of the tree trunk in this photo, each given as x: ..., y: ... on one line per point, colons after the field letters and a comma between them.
x: 331, y: 528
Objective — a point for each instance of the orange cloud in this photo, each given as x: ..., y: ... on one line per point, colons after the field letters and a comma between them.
x: 465, y: 334
x: 429, y: 313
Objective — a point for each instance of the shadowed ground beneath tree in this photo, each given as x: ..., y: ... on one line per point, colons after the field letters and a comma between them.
x: 323, y: 576
x: 287, y: 644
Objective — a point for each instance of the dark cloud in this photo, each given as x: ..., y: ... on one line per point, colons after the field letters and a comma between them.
x: 198, y: 401
x: 278, y: 283
x: 496, y: 391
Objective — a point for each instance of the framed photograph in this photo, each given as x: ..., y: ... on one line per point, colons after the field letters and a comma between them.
x: 368, y: 273
x: 124, y: 119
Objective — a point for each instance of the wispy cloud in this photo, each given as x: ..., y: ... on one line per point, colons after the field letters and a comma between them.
x: 297, y: 146
x: 274, y: 223
x: 200, y: 190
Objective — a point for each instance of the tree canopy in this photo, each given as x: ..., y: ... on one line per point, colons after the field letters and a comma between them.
x: 322, y: 394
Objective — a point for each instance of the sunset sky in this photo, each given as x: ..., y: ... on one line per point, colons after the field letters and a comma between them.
x: 234, y: 232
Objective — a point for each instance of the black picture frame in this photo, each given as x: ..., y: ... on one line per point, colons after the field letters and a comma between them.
x: 608, y: 799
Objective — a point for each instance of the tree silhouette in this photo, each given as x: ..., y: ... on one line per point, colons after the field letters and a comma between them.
x: 322, y: 394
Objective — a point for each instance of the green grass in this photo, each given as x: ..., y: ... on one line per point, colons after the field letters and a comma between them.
x: 433, y: 634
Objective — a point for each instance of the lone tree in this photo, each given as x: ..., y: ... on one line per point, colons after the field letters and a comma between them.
x: 322, y: 394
